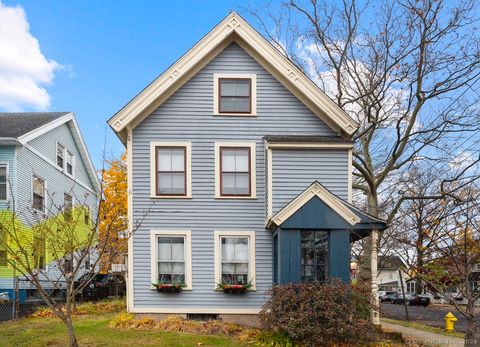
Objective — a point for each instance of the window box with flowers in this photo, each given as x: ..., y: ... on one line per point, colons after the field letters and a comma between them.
x: 169, y: 287
x: 234, y: 288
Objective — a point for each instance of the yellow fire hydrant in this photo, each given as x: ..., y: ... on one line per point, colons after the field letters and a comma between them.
x: 450, y: 320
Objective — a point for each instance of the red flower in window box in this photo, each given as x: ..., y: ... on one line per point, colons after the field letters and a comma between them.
x: 169, y: 287
x: 234, y: 288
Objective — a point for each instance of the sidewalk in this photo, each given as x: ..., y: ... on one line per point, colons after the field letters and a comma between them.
x: 412, y: 335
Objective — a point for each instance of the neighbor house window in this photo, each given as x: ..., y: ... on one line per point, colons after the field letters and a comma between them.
x: 38, y: 198
x: 69, y: 163
x: 171, y: 257
x: 60, y: 155
x: 39, y: 252
x: 68, y: 264
x: 3, y: 181
x: 235, y: 257
x: 314, y: 256
x: 67, y: 207
x: 235, y: 165
x: 86, y: 215
x: 235, y: 94
x: 170, y: 169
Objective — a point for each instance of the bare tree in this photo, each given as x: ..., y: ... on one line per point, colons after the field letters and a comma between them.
x: 452, y: 235
x: 406, y: 71
x: 68, y: 238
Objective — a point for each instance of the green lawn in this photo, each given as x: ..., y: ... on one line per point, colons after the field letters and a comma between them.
x: 93, y: 330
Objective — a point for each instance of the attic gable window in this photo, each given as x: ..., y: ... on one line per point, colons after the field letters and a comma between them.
x: 69, y: 163
x: 60, y: 155
x: 235, y: 94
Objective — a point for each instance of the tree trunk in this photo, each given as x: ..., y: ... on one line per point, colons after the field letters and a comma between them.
x: 72, y: 339
x: 365, y: 274
x: 471, y: 337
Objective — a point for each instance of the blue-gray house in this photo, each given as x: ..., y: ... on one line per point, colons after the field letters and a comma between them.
x: 239, y: 175
x: 45, y: 169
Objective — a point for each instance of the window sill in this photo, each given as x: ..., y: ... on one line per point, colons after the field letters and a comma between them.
x: 170, y: 197
x: 183, y: 289
x: 218, y: 197
x: 217, y: 114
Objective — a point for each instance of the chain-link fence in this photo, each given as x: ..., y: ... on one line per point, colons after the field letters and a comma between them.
x: 7, y: 307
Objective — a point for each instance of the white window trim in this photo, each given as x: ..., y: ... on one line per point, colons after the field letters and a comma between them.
x: 7, y: 186
x: 253, y: 172
x: 67, y: 152
x: 251, y: 254
x: 188, y: 169
x: 44, y: 191
x: 252, y: 77
x: 188, y: 254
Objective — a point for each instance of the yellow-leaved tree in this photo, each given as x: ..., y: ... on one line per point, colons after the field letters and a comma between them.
x: 113, y: 224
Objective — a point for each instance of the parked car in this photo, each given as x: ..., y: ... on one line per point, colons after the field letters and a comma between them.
x: 388, y: 297
x: 399, y: 298
x: 419, y: 300
x: 101, y: 286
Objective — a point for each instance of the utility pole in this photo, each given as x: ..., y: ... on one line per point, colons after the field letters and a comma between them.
x: 403, y: 293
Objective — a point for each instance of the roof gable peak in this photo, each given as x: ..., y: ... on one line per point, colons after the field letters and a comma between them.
x: 232, y: 28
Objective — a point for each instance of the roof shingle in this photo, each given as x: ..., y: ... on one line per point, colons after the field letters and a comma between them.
x: 18, y: 124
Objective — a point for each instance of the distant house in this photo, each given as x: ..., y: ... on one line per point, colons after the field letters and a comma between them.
x: 240, y: 169
x: 45, y: 168
x: 389, y: 278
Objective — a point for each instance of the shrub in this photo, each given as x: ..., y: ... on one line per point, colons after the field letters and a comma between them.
x: 319, y: 314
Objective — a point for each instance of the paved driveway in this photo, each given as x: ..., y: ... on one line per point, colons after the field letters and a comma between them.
x: 432, y: 315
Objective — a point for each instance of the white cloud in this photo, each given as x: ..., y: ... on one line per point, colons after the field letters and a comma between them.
x: 24, y: 70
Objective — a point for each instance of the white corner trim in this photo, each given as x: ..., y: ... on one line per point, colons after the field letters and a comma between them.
x: 187, y: 310
x: 269, y: 184
x: 130, y: 293
x: 187, y: 251
x: 253, y: 172
x: 283, y: 69
x: 316, y: 189
x: 350, y: 175
x: 188, y: 168
x: 251, y: 254
x: 253, y: 96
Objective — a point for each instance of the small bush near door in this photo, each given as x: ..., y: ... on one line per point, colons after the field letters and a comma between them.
x: 319, y: 314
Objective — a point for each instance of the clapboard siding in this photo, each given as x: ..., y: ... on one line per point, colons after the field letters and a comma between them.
x: 187, y: 116
x: 46, y: 144
x: 294, y: 170
x: 7, y: 156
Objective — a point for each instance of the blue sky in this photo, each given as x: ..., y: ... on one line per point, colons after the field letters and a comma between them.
x: 109, y: 51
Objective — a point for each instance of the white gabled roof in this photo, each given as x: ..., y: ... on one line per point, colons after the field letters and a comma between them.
x: 316, y: 189
x: 232, y: 28
x: 69, y: 119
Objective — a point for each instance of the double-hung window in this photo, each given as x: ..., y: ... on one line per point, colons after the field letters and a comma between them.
x: 38, y: 196
x: 39, y: 251
x: 235, y: 257
x: 60, y: 155
x: 69, y: 163
x: 171, y: 257
x: 235, y: 170
x: 234, y: 94
x: 67, y: 207
x: 3, y: 181
x: 170, y: 170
